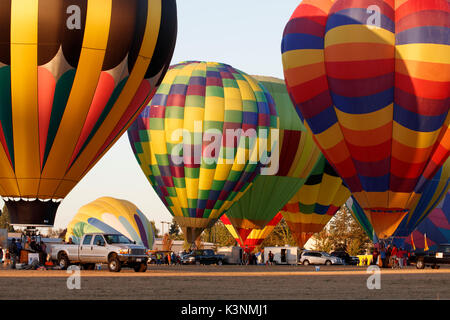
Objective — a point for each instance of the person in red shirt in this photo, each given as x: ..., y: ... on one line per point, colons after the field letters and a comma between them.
x: 400, y: 255
x: 394, y: 256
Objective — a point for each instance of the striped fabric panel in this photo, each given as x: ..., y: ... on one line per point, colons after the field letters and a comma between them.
x: 373, y: 96
x: 110, y: 215
x: 82, y: 85
x: 317, y: 201
x: 256, y: 236
x: 433, y: 193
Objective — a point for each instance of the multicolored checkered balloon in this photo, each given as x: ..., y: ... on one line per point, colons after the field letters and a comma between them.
x: 186, y: 143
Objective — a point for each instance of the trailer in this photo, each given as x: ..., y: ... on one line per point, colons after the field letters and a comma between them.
x: 283, y: 255
x: 233, y: 255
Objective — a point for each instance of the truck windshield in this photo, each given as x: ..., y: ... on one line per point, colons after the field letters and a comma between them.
x: 116, y: 238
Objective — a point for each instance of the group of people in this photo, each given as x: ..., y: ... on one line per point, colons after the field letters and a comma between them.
x: 390, y: 256
x: 249, y: 258
x: 15, y: 248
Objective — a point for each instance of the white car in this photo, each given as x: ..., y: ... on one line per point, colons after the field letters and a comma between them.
x: 319, y: 257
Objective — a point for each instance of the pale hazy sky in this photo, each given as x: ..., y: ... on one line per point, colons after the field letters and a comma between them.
x: 243, y: 33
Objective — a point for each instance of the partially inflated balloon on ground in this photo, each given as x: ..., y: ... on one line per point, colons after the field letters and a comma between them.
x: 73, y: 76
x: 434, y: 229
x: 297, y: 156
x: 110, y: 215
x: 372, y: 81
x: 317, y: 201
x: 433, y: 193
x: 255, y: 237
x: 192, y: 141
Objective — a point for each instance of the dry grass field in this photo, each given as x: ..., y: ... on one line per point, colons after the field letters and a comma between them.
x: 229, y: 283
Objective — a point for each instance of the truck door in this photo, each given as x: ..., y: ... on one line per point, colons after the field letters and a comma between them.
x: 85, y: 251
x: 99, y: 250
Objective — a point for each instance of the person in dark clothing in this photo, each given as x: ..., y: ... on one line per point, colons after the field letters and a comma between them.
x: 13, y: 253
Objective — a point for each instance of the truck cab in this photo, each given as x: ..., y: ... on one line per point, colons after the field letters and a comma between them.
x: 116, y: 250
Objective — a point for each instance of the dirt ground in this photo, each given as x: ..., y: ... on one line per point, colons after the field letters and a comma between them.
x: 229, y: 283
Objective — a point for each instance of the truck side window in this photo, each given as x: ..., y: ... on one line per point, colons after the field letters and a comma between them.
x: 98, y: 240
x: 87, y: 240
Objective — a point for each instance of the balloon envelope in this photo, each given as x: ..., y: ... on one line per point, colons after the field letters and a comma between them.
x: 297, y: 155
x: 256, y: 236
x: 436, y: 228
x: 192, y: 141
x: 73, y: 75
x: 373, y: 84
x: 317, y: 201
x: 110, y: 215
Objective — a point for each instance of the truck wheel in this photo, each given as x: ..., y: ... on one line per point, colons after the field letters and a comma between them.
x: 140, y: 267
x: 63, y: 261
x: 114, y: 264
x: 420, y: 264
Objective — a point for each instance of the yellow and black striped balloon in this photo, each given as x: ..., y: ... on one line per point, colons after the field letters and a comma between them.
x: 73, y: 76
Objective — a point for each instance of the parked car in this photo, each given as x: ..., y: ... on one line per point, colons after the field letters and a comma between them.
x: 432, y: 258
x: 319, y: 257
x: 346, y: 258
x: 206, y: 256
x: 114, y: 249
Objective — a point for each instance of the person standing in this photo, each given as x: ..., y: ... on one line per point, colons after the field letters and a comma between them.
x: 383, y: 256
x: 13, y: 253
x: 270, y: 258
x: 394, y: 253
x: 400, y: 254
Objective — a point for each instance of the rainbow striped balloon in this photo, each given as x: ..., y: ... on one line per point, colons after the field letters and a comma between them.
x: 371, y: 78
x: 317, y: 201
x: 110, y: 215
x: 183, y: 143
x: 256, y: 237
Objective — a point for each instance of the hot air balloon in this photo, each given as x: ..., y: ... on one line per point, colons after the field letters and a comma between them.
x: 297, y: 156
x: 110, y: 215
x: 433, y: 193
x: 73, y: 76
x: 194, y: 144
x: 436, y: 228
x: 256, y: 236
x: 317, y: 201
x: 372, y: 81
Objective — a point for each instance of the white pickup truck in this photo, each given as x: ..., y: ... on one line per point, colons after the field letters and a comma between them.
x: 114, y: 249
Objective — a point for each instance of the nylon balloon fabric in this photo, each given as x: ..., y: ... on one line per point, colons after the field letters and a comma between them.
x: 297, y: 156
x: 73, y: 76
x: 110, y: 215
x: 435, y: 228
x: 372, y: 81
x: 256, y: 237
x: 317, y: 201
x: 434, y: 192
x: 192, y: 140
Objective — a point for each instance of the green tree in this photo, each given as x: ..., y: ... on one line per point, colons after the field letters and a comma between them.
x: 343, y: 232
x: 219, y: 235
x: 175, y: 231
x: 5, y: 221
